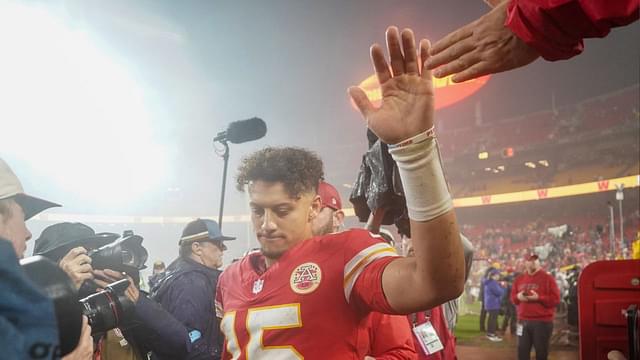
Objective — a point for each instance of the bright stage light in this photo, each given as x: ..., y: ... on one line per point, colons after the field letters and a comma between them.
x: 73, y: 112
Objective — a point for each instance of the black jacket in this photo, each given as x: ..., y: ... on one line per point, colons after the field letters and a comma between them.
x: 187, y: 291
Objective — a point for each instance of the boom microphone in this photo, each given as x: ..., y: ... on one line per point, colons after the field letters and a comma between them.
x: 243, y: 130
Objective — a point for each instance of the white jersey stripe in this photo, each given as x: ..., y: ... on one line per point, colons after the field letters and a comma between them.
x: 354, y: 268
x: 362, y: 254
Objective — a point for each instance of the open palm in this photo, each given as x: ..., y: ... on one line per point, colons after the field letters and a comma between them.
x: 407, y: 89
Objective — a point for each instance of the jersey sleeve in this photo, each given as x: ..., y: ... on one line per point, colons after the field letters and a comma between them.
x: 365, y: 258
x: 556, y: 28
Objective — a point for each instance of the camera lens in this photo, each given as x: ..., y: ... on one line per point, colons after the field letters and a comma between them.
x: 107, y: 309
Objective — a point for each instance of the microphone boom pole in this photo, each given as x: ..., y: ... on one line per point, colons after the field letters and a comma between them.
x: 225, y: 157
x: 237, y: 132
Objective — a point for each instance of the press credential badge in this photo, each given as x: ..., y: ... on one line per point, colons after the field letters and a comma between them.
x: 428, y: 338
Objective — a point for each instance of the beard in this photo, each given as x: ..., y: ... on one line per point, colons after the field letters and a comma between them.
x: 272, y: 254
x: 326, y: 228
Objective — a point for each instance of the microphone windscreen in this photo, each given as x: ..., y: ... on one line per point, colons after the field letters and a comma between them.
x: 246, y: 130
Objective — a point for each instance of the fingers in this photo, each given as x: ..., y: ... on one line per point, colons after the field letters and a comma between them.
x: 449, y: 40
x: 395, y: 51
x: 101, y: 275
x: 113, y: 274
x: 102, y: 284
x: 380, y: 64
x: 454, y: 59
x: 425, y: 45
x: 74, y: 253
x: 86, y: 328
x: 360, y: 99
x: 458, y: 65
x: 479, y: 69
x: 409, y: 48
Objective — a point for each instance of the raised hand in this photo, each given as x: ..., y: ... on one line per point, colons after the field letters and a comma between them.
x: 407, y: 90
x: 485, y: 46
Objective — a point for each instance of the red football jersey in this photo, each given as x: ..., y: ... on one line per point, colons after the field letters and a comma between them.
x: 308, y: 304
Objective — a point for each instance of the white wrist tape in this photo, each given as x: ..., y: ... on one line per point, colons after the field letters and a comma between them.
x: 425, y: 187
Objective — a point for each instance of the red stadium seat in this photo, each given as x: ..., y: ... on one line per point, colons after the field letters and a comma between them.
x: 606, y: 289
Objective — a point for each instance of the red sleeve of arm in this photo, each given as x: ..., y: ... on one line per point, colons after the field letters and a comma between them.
x: 365, y: 257
x: 392, y: 337
x: 368, y: 293
x: 514, y: 293
x: 552, y: 298
x: 555, y: 28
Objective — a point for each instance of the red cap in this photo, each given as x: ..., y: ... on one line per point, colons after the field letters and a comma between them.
x: 531, y: 257
x: 329, y: 196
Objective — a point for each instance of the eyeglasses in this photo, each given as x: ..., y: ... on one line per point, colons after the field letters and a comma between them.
x: 217, y: 243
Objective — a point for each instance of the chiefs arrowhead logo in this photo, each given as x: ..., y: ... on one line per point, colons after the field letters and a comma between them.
x: 305, y: 278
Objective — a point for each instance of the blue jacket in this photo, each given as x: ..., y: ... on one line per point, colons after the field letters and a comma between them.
x: 493, y: 293
x: 187, y: 293
x: 28, y: 327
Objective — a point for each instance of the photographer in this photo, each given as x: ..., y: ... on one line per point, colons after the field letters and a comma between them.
x: 177, y: 320
x: 68, y: 244
x: 28, y: 328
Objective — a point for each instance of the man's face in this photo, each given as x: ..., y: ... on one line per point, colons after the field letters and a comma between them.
x: 531, y: 266
x: 14, y: 229
x: 209, y: 253
x: 325, y: 222
x: 279, y: 220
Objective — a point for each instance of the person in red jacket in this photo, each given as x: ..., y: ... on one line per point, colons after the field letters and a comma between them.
x: 536, y: 296
x: 517, y: 32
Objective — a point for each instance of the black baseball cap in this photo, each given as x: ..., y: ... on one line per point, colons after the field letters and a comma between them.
x: 203, y: 230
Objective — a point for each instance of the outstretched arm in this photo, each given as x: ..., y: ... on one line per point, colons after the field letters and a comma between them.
x: 517, y: 32
x: 485, y: 46
x: 405, y: 119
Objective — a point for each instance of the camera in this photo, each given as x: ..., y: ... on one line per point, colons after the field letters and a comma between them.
x: 124, y: 254
x: 105, y: 310
x: 108, y: 308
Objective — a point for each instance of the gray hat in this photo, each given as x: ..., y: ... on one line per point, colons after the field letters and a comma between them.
x: 11, y: 188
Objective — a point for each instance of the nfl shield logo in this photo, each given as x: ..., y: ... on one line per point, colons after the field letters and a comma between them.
x: 257, y: 286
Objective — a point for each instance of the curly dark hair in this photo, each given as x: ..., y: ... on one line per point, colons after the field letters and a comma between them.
x: 299, y: 170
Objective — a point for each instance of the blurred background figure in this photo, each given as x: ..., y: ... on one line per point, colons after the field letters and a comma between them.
x: 158, y: 271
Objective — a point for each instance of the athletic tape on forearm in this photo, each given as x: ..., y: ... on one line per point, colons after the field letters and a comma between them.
x: 425, y: 187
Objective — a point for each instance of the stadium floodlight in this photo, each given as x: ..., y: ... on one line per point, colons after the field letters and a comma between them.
x: 77, y: 113
x: 483, y: 155
x: 530, y: 164
x: 544, y: 163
